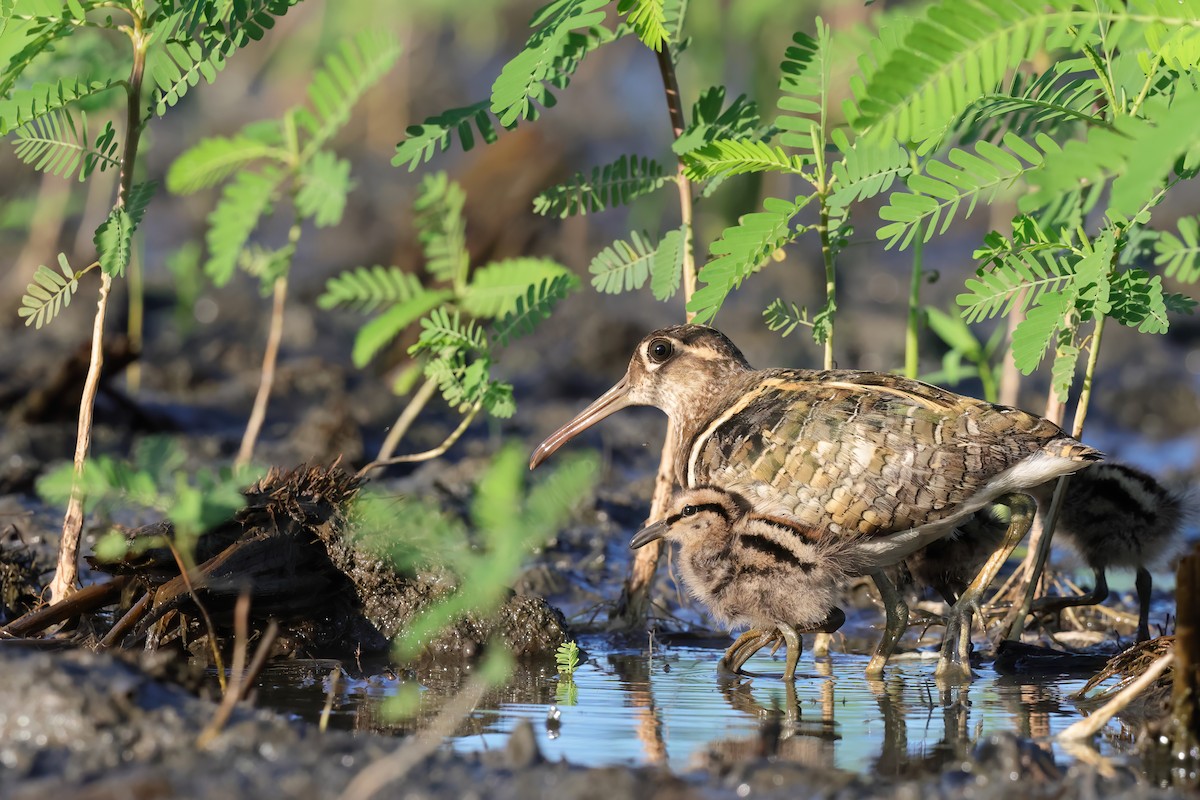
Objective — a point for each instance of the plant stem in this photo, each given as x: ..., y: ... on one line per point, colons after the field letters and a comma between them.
x: 136, y: 321
x: 830, y: 283
x: 633, y: 605
x: 1085, y: 392
x: 407, y: 417
x: 66, y: 574
x: 911, y: 338
x: 274, y: 337
x: 666, y: 68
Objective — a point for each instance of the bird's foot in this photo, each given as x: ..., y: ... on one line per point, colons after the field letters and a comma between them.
x: 954, y: 663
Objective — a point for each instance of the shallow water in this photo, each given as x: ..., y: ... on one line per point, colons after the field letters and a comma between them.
x: 632, y: 706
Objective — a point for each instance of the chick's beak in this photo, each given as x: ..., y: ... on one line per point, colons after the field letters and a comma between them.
x: 647, y: 535
x: 608, y: 403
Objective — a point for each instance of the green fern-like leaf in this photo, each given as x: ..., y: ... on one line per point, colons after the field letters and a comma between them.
x: 712, y: 120
x: 441, y: 229
x: 55, y: 144
x: 344, y: 77
x: 365, y: 289
x: 960, y: 51
x: 1180, y: 254
x: 442, y: 330
x: 938, y: 195
x: 377, y: 333
x: 1020, y: 278
x: 113, y: 240
x: 649, y: 20
x: 200, y: 36
x: 26, y: 106
x: 783, y: 318
x: 211, y: 161
x: 623, y: 266
x: 496, y: 289
x: 1062, y: 373
x: 176, y: 66
x: 523, y: 79
x: 49, y: 293
x: 534, y: 307
x: 1138, y: 301
x: 726, y: 157
x: 244, y: 200
x: 804, y: 91
x: 436, y: 133
x: 1032, y: 336
x: 324, y: 184
x: 666, y: 268
x: 618, y: 183
x: 866, y: 169
x: 741, y: 251
x: 140, y: 195
x: 1043, y: 103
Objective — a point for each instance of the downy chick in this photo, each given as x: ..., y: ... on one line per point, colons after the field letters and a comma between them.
x: 1114, y: 516
x: 750, y: 569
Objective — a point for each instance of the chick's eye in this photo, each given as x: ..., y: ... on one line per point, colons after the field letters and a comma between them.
x: 660, y: 350
x: 689, y: 511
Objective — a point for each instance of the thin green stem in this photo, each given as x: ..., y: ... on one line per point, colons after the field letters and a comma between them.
x: 912, y: 356
x: 827, y: 257
x: 1089, y: 373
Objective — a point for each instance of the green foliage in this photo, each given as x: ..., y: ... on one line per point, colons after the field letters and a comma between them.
x: 436, y: 133
x: 522, y: 81
x: 648, y: 18
x: 156, y: 478
x: 615, y: 184
x: 567, y: 659
x: 508, y: 519
x: 441, y: 228
x: 269, y: 160
x: 940, y: 192
x: 55, y: 144
x: 725, y: 157
x: 712, y: 120
x: 625, y: 266
x: 743, y: 250
x: 783, y: 318
x: 804, y: 92
x: 455, y: 346
x: 49, y: 293
x: 867, y: 169
x: 1180, y: 254
x: 26, y: 107
x: 198, y: 37
x: 960, y: 50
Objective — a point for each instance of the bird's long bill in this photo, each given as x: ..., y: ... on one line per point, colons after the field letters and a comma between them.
x: 610, y: 402
x: 647, y: 535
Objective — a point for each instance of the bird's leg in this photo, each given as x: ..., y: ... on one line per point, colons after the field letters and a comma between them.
x: 1144, y: 584
x: 746, y: 646
x: 955, y: 659
x: 820, y: 647
x: 793, y: 651
x: 895, y: 612
x: 1098, y: 594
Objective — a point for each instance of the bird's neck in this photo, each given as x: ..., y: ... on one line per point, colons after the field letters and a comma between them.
x: 692, y: 408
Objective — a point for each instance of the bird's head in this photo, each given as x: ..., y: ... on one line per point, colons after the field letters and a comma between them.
x: 681, y: 370
x: 704, y: 513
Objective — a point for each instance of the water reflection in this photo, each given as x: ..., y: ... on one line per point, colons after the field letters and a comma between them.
x: 668, y: 705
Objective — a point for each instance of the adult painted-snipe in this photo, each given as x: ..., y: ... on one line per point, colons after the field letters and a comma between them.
x: 889, y: 463
x: 748, y: 569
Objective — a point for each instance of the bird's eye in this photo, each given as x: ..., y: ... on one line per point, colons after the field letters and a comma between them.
x: 689, y: 510
x: 660, y: 350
